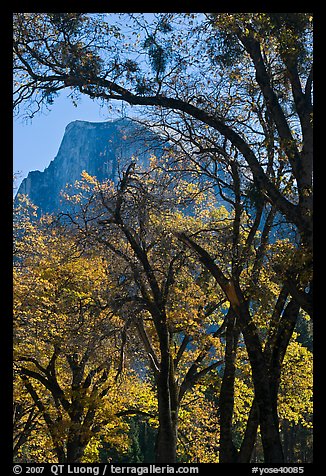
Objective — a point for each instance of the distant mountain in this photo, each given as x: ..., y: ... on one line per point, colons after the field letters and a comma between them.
x: 100, y: 148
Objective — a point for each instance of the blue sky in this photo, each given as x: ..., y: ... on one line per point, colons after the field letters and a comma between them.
x: 37, y: 141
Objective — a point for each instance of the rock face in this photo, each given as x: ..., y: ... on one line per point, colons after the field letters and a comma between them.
x: 100, y: 148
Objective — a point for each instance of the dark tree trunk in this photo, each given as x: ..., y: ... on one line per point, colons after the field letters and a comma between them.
x: 270, y: 435
x: 77, y: 439
x: 75, y: 450
x: 228, y: 452
x: 249, y: 439
x: 60, y: 452
x: 286, y: 442
x: 166, y: 445
x: 274, y: 353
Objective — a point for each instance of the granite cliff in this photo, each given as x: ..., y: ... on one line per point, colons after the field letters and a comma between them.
x: 100, y: 148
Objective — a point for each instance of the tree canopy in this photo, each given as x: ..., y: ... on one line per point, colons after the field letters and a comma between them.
x: 199, y: 268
